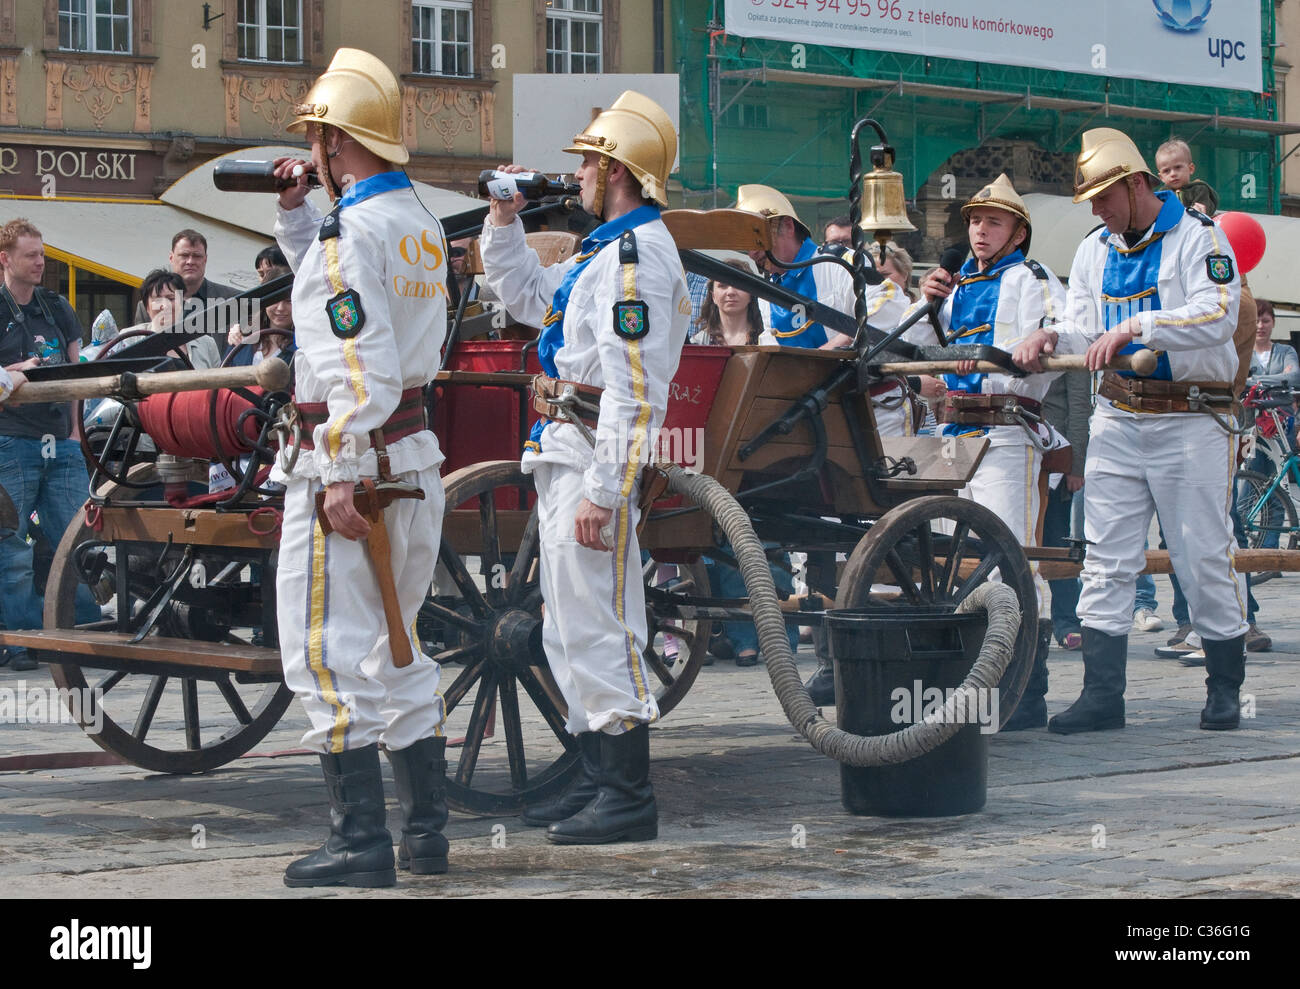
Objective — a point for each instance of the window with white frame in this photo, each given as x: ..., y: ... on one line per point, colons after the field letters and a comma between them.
x: 573, y: 29
x: 270, y: 30
x: 95, y: 25
x: 442, y: 37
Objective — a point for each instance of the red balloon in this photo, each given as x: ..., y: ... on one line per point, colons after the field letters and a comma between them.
x: 1246, y: 237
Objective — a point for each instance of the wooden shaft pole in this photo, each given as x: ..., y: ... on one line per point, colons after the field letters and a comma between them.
x: 271, y: 374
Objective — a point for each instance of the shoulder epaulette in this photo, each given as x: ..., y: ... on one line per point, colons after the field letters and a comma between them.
x: 1039, y: 271
x: 1196, y: 214
x: 627, y: 248
x: 330, y: 227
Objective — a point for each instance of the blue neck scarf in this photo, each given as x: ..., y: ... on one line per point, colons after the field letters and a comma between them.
x: 974, y: 313
x: 373, y: 186
x: 801, y: 280
x: 552, y: 338
x: 1130, y: 282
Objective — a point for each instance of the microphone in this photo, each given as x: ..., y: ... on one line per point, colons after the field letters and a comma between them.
x: 951, y: 261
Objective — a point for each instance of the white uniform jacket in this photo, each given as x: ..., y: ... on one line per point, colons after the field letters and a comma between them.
x: 389, y: 264
x: 633, y: 362
x: 886, y: 302
x: 1028, y: 296
x: 1181, y: 282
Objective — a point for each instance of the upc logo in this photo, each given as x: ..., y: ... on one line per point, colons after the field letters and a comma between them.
x: 1182, y: 15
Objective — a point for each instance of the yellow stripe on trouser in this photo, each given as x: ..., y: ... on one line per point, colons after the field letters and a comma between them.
x: 357, y: 381
x: 635, y: 452
x: 316, y: 641
x: 1232, y: 543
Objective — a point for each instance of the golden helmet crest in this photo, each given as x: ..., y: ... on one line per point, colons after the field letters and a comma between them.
x: 766, y: 201
x: 1001, y: 194
x: 359, y: 95
x: 636, y: 131
x: 1107, y: 156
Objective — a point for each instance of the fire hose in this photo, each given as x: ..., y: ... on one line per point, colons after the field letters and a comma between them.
x: 998, y: 600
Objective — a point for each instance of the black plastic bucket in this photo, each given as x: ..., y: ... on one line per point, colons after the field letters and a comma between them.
x: 891, y: 665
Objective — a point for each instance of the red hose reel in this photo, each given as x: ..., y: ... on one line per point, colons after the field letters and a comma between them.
x: 180, y: 424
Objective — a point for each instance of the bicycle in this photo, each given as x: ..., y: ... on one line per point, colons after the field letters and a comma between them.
x: 1265, y: 501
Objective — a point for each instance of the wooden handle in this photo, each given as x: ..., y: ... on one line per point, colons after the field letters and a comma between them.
x: 271, y: 374
x: 1142, y: 361
x: 381, y: 558
x: 1244, y: 561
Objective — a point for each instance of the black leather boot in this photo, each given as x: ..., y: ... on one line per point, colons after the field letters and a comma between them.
x: 1031, y: 712
x: 1101, y: 705
x: 624, y: 806
x: 821, y: 686
x: 1225, y: 662
x: 359, y: 850
x: 577, y: 794
x: 420, y: 773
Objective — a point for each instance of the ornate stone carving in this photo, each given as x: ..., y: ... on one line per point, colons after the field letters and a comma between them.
x: 100, y: 87
x: 272, y: 98
x: 449, y: 111
x: 54, y: 94
x: 9, y: 92
x: 143, y: 98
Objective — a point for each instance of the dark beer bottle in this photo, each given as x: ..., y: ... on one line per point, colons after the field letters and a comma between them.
x: 236, y: 175
x: 534, y: 185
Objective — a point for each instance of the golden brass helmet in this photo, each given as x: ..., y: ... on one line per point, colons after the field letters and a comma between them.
x: 884, y: 206
x: 1107, y: 156
x: 636, y: 131
x: 1001, y: 194
x: 359, y: 95
x: 766, y: 201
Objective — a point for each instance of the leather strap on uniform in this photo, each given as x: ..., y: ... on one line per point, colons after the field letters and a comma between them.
x: 546, y: 390
x: 407, y: 419
x: 985, y: 410
x: 1161, y: 397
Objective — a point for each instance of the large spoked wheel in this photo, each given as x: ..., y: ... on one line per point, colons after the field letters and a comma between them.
x: 1261, y: 516
x: 168, y: 719
x: 935, y: 551
x: 507, y: 742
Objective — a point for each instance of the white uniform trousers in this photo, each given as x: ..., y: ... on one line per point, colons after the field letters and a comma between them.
x: 1006, y: 483
x: 333, y: 636
x: 1181, y: 466
x: 595, y: 625
x: 893, y: 414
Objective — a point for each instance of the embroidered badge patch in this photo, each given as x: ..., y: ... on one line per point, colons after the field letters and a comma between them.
x: 1219, y: 268
x: 345, y: 313
x: 631, y: 319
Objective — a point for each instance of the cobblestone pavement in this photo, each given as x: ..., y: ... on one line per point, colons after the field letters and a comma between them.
x: 1160, y: 809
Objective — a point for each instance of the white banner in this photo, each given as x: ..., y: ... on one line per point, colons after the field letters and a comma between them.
x: 1199, y: 42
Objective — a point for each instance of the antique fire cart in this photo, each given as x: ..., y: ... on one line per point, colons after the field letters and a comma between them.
x: 186, y: 657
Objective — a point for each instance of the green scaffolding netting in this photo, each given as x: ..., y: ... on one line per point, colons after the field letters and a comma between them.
x: 794, y: 136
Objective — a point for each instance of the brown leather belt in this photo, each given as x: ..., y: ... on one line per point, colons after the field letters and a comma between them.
x: 583, y: 400
x: 407, y: 419
x: 1159, y: 397
x: 966, y: 409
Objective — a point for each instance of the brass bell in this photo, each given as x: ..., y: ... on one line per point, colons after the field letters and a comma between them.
x: 884, y: 210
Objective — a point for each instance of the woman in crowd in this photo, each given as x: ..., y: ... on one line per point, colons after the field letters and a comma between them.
x: 163, y: 295
x: 730, y: 317
x: 250, y: 346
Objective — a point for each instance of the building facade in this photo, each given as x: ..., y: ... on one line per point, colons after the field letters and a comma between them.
x: 756, y: 110
x: 113, y: 100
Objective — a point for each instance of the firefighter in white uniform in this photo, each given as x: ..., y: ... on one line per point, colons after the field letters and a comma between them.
x: 832, y: 285
x: 364, y: 354
x: 1163, y: 277
x: 614, y: 318
x: 999, y: 298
